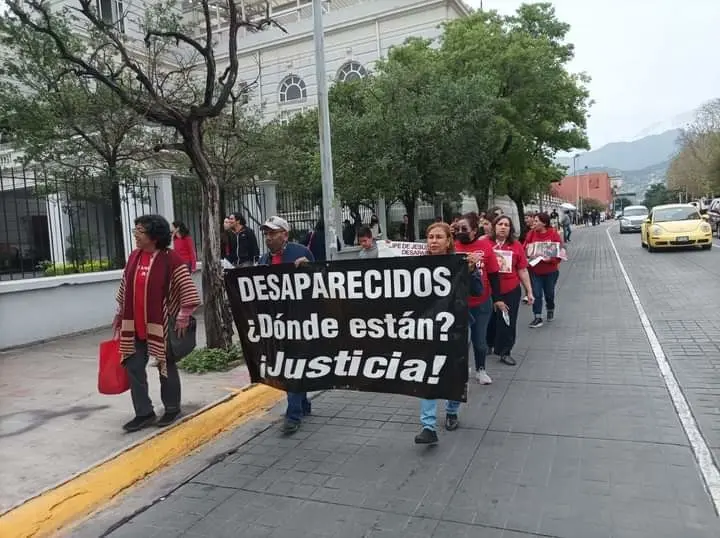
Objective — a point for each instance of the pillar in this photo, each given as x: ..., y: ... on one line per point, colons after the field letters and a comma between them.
x: 269, y: 188
x: 135, y: 202
x: 382, y: 217
x: 58, y: 227
x: 161, y: 181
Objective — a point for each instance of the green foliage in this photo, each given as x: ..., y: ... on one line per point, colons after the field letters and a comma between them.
x: 201, y: 361
x: 591, y: 204
x: 86, y: 266
x: 658, y: 194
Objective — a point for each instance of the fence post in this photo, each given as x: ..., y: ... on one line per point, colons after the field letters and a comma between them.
x: 269, y: 187
x: 59, y: 226
x: 161, y: 179
x: 382, y: 217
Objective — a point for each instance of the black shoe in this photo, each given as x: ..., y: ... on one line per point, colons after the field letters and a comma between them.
x: 168, y: 418
x: 451, y: 422
x: 426, y: 437
x: 507, y: 359
x: 289, y: 427
x: 537, y: 322
x: 550, y: 315
x: 138, y: 423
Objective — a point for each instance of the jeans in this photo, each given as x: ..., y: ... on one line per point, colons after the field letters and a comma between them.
x: 136, y: 365
x: 505, y: 335
x: 298, y: 406
x: 428, y: 412
x: 479, y: 320
x: 566, y: 232
x: 544, y: 285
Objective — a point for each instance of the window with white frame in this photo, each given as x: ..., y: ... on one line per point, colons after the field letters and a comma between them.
x: 292, y: 89
x: 285, y: 115
x: 112, y: 12
x: 351, y: 71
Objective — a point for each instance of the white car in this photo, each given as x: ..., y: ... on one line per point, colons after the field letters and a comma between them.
x: 632, y: 218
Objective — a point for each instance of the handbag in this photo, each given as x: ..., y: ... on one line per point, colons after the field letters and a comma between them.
x: 179, y: 346
x: 112, y: 375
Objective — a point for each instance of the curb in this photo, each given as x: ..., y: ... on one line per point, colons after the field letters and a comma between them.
x: 94, y: 487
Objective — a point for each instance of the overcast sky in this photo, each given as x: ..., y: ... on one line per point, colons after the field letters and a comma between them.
x: 650, y: 60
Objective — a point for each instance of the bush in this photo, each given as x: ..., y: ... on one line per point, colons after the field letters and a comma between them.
x: 203, y: 360
x: 88, y: 266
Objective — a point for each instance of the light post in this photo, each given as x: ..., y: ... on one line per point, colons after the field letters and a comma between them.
x: 577, y: 184
x: 326, y: 165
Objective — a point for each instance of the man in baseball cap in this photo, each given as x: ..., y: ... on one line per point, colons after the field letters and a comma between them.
x: 282, y: 251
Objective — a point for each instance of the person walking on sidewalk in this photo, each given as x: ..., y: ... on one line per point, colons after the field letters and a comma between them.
x: 155, y: 288
x: 440, y: 242
x: 241, y: 244
x: 513, y: 271
x: 543, y: 269
x: 468, y: 240
x: 281, y: 251
x: 184, y: 245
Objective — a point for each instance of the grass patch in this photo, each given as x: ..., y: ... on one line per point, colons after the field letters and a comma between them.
x: 204, y: 360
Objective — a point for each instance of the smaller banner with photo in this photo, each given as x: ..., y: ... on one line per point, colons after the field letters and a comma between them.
x: 390, y: 249
x: 545, y: 249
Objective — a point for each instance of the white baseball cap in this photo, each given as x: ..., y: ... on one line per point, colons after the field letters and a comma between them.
x: 275, y: 223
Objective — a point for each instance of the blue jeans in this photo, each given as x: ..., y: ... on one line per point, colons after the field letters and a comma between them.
x: 298, y: 406
x: 428, y: 412
x: 479, y: 319
x: 544, y: 285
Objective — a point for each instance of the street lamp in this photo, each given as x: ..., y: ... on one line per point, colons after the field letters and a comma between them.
x: 577, y: 182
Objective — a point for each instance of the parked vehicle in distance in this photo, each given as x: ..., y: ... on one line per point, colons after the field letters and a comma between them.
x: 713, y: 214
x: 675, y: 225
x: 632, y: 218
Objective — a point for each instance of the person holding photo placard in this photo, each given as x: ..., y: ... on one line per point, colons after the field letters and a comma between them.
x: 439, y: 243
x: 513, y: 263
x: 543, y: 246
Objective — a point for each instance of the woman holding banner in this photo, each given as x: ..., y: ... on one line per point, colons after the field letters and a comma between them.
x: 468, y: 240
x: 544, y: 249
x: 440, y: 242
x: 510, y: 255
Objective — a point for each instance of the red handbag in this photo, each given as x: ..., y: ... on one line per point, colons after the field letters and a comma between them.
x: 112, y: 376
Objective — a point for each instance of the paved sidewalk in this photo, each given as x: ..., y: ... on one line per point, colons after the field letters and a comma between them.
x: 580, y: 440
x: 53, y: 421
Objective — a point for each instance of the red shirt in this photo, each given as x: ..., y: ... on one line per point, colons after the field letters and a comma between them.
x: 140, y: 290
x: 488, y: 264
x: 511, y: 258
x: 550, y: 235
x: 185, y: 248
x: 276, y: 259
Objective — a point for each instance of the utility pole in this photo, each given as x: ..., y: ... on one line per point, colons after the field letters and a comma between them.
x: 326, y: 165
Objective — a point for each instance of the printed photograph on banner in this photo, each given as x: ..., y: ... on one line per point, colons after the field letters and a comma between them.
x: 389, y: 249
x: 394, y: 325
x: 545, y: 249
x: 505, y: 260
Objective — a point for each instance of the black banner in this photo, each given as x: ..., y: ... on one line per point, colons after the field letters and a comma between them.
x: 393, y: 325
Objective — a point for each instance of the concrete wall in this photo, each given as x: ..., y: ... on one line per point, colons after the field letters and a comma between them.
x: 38, y: 309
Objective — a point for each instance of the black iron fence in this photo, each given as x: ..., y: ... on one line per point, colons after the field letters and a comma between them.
x: 247, y: 199
x: 55, y: 223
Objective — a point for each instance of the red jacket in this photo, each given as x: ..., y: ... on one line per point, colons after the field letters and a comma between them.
x: 550, y: 235
x: 185, y: 248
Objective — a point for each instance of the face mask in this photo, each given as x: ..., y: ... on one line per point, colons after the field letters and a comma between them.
x: 463, y: 237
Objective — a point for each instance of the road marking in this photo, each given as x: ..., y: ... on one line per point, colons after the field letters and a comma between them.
x: 708, y: 468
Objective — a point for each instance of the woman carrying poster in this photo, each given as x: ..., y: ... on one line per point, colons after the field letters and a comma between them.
x: 468, y: 240
x: 513, y: 264
x: 440, y: 242
x: 543, y: 246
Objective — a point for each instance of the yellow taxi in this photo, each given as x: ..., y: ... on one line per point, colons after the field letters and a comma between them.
x: 675, y: 225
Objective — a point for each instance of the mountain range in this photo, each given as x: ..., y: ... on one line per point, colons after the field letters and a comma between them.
x: 639, y: 163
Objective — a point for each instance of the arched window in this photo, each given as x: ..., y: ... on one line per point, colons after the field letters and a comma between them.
x: 351, y: 71
x: 292, y: 89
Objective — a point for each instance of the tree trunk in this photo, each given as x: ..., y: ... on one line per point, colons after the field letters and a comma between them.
x: 520, y: 204
x: 218, y: 321
x: 117, y: 223
x: 482, y: 197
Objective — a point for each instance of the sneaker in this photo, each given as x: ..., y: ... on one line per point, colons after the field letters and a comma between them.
x: 550, y: 315
x: 507, y: 359
x: 289, y: 427
x: 168, y: 418
x: 426, y: 437
x: 138, y: 423
x: 451, y: 422
x: 482, y: 377
x: 537, y: 322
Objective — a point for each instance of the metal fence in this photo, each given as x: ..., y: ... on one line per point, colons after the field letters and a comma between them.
x: 249, y: 200
x: 64, y: 223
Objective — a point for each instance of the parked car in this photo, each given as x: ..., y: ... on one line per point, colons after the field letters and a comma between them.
x: 675, y: 225
x: 632, y: 218
x: 713, y: 214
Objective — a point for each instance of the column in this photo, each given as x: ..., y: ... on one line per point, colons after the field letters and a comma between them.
x: 135, y: 202
x: 382, y: 217
x: 161, y: 181
x: 58, y: 226
x: 269, y: 188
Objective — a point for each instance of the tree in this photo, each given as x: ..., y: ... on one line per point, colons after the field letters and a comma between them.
x: 68, y: 124
x: 541, y: 108
x: 658, y: 194
x: 171, y: 78
x: 591, y: 204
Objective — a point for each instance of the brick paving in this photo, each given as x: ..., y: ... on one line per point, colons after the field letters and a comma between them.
x: 580, y: 440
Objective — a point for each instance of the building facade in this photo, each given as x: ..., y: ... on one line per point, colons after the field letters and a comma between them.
x: 585, y: 186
